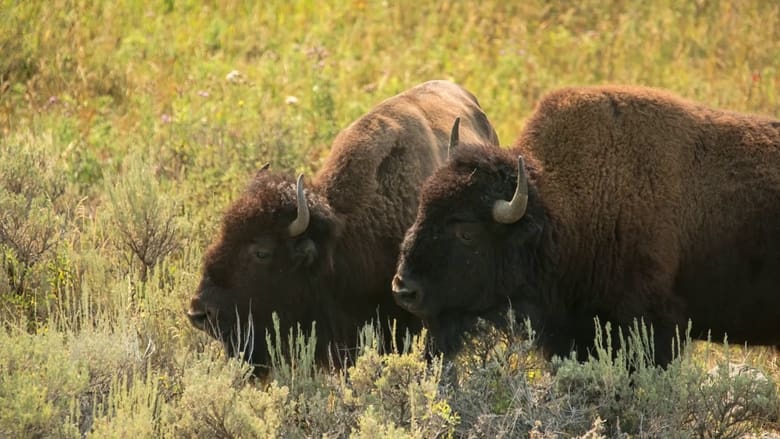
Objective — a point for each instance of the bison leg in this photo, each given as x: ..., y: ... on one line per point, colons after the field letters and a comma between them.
x: 662, y: 317
x: 567, y: 336
x: 576, y: 333
x: 663, y: 336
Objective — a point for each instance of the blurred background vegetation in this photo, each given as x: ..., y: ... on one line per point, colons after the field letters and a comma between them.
x: 126, y: 127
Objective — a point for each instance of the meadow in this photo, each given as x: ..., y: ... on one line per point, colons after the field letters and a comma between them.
x: 127, y: 127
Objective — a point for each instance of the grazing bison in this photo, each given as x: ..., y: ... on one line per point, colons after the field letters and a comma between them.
x: 631, y: 203
x: 328, y: 254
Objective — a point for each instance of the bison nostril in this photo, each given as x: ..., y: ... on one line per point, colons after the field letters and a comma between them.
x: 200, y: 315
x: 398, y: 282
x: 198, y: 318
x: 406, y: 292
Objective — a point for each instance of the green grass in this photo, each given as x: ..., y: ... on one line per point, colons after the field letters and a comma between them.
x: 122, y: 140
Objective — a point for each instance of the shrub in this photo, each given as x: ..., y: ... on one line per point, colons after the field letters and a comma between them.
x: 39, y: 385
x: 505, y: 390
x: 292, y: 358
x: 636, y: 398
x: 618, y: 392
x: 131, y: 410
x: 33, y: 218
x: 219, y: 401
x: 400, y: 388
x: 730, y: 400
x: 146, y: 219
x: 372, y: 425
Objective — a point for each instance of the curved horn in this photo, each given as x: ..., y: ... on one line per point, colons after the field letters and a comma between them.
x: 509, y: 212
x: 301, y: 222
x: 454, y: 137
x: 262, y: 169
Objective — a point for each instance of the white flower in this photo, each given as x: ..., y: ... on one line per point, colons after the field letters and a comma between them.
x: 234, y: 76
x: 291, y: 100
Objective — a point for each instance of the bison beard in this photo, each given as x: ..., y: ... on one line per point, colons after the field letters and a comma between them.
x: 638, y: 206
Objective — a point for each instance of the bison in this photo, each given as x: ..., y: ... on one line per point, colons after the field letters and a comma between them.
x: 327, y: 254
x: 625, y: 204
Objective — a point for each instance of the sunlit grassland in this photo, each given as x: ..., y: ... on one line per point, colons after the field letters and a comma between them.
x: 126, y: 127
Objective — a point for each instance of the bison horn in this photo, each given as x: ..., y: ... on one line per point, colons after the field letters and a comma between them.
x: 454, y: 137
x: 262, y: 170
x: 301, y: 222
x: 509, y: 212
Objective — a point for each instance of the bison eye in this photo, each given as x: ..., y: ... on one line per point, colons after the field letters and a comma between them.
x: 464, y: 235
x: 262, y: 250
x: 262, y: 255
x: 467, y: 232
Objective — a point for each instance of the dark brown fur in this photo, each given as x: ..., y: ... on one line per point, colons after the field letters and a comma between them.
x: 338, y: 272
x: 641, y: 204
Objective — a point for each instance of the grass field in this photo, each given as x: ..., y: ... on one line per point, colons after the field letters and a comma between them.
x: 126, y: 127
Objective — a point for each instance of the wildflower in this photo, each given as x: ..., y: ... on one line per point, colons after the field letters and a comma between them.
x: 166, y: 118
x: 291, y: 100
x: 203, y: 93
x: 234, y: 76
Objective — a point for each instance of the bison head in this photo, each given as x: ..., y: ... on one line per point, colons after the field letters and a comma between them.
x: 469, y: 252
x: 274, y: 247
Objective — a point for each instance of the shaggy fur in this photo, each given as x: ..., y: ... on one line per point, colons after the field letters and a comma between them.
x: 338, y: 272
x: 641, y: 205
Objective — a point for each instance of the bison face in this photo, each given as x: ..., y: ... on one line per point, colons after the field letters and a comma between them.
x: 258, y: 266
x: 460, y: 260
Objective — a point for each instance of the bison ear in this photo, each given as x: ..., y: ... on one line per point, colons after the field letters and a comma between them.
x: 530, y: 230
x: 305, y: 252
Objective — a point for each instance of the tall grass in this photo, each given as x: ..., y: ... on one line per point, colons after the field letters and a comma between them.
x: 126, y: 127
